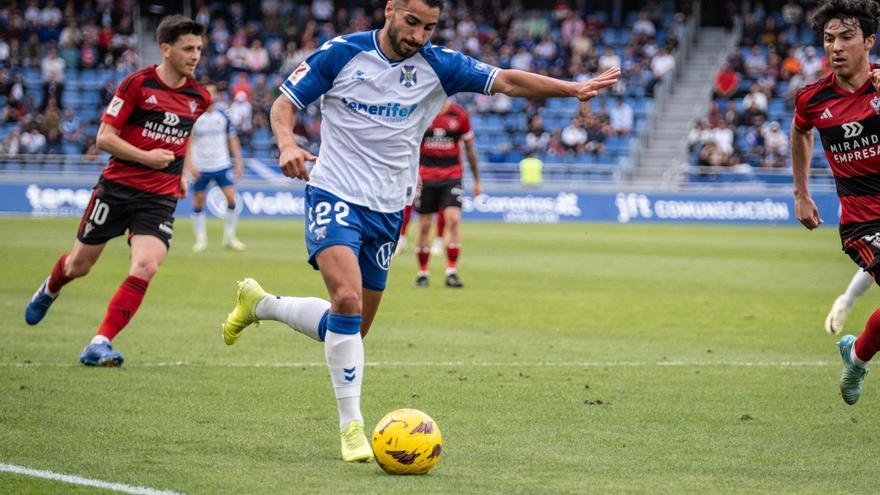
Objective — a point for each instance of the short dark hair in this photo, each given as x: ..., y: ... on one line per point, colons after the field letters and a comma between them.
x: 434, y: 4
x: 865, y: 12
x: 173, y: 27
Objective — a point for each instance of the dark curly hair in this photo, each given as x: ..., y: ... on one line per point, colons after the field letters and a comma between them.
x: 865, y: 12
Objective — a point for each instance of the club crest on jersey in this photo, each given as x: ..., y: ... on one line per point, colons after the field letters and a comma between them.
x: 408, y: 76
x: 192, y: 107
x: 875, y: 104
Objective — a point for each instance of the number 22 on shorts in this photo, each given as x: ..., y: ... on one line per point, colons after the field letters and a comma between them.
x: 323, y: 213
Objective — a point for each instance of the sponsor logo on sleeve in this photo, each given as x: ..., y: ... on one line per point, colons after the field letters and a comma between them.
x: 115, y: 106
x: 299, y: 73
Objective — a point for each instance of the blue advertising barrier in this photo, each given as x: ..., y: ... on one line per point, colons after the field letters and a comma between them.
x: 47, y: 199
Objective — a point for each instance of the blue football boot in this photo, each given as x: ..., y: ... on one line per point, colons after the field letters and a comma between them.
x: 38, y: 305
x: 100, y: 355
x: 853, y: 377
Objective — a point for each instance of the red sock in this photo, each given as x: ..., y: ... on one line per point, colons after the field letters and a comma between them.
x: 868, y: 342
x: 407, y: 215
x: 57, y: 279
x: 423, y: 254
x: 123, y: 306
x: 452, y: 253
x: 441, y: 223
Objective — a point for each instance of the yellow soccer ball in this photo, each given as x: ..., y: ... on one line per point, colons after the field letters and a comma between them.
x: 407, y: 441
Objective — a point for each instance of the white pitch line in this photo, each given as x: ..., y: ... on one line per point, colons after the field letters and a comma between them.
x: 485, y: 364
x: 78, y: 480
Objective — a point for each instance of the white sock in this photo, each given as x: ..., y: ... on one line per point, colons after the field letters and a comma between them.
x: 229, y: 220
x: 99, y: 339
x: 450, y: 271
x: 855, y: 359
x: 860, y: 283
x: 199, y: 225
x: 346, y: 352
x: 302, y: 314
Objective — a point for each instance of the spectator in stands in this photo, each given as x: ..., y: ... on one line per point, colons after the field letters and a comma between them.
x: 662, y: 66
x: 574, y: 136
x: 792, y: 14
x: 699, y: 135
x: 4, y: 51
x: 52, y: 70
x: 711, y: 156
x: 12, y: 143
x: 50, y: 118
x: 752, y: 115
x: 537, y: 137
x: 71, y: 126
x: 621, y: 117
x: 644, y: 26
x: 241, y: 84
x: 726, y: 82
x: 756, y: 98
x: 723, y: 136
x: 522, y: 59
x: 238, y: 53
x: 257, y: 57
x: 33, y: 51
x: 53, y: 142
x: 32, y: 141
x: 609, y: 60
x: 812, y: 65
x: 241, y: 112
x: 220, y: 36
x: 791, y: 65
x: 755, y: 62
x: 221, y: 72
x: 69, y: 42
x: 775, y: 140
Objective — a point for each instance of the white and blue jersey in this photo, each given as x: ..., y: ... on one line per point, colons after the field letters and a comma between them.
x: 210, y: 141
x: 375, y: 112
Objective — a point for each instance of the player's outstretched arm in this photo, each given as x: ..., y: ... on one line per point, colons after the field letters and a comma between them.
x: 801, y: 148
x: 514, y: 82
x: 108, y: 140
x: 292, y: 159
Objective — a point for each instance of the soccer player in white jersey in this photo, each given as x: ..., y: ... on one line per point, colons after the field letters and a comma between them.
x: 214, y: 148
x: 379, y: 92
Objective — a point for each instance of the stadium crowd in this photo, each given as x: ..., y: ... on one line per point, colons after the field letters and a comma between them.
x: 60, y: 61
x: 754, y: 93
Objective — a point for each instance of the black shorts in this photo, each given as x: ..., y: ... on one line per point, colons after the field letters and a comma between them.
x: 115, y: 208
x: 434, y: 196
x: 865, y: 251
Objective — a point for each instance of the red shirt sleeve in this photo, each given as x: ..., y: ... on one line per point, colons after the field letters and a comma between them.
x: 124, y: 101
x: 801, y: 119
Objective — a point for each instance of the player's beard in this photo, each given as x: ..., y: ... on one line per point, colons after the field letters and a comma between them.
x: 402, y: 50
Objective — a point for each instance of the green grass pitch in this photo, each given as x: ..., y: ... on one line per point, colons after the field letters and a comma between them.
x: 578, y: 359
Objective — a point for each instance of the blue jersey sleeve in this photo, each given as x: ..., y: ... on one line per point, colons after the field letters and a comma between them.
x: 316, y: 74
x: 230, y: 127
x: 459, y: 73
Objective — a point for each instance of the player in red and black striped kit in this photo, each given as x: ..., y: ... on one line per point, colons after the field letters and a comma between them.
x: 845, y: 108
x: 145, y: 128
x: 440, y: 176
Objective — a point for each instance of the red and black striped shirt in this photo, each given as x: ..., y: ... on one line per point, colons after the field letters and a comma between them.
x: 151, y: 115
x: 849, y: 126
x: 440, y: 153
